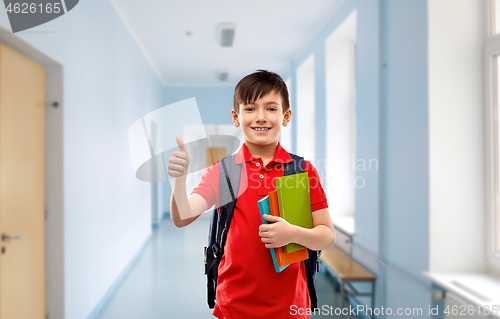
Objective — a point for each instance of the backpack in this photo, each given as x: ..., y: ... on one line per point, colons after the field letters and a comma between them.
x: 229, y: 180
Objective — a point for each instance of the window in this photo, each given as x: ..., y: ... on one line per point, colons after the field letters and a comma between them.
x: 496, y: 218
x: 495, y: 17
x: 286, y: 132
x: 492, y: 122
x: 341, y: 117
x: 306, y: 110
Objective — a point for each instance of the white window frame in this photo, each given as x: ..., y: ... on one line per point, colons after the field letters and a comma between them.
x: 491, y: 49
x: 286, y: 136
x: 306, y: 108
x: 342, y: 162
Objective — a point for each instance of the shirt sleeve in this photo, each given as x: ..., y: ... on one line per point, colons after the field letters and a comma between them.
x: 318, y: 197
x: 209, y: 185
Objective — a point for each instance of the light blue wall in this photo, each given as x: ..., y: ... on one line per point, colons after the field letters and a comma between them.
x: 215, y: 103
x: 108, y: 84
x: 405, y: 148
x: 392, y: 210
x: 367, y: 124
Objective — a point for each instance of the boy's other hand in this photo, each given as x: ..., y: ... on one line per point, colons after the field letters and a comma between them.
x: 277, y: 234
x: 178, y: 162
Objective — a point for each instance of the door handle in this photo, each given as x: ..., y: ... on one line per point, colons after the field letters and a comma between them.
x: 5, y: 237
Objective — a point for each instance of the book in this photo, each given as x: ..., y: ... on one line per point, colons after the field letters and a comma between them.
x: 294, y: 201
x: 264, y: 209
x: 282, y: 257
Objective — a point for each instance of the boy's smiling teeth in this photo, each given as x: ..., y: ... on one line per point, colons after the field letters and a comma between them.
x: 261, y: 128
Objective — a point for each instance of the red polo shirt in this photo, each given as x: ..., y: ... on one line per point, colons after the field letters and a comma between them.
x: 248, y: 286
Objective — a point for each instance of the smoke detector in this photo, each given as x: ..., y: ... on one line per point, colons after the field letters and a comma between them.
x: 222, y: 75
x: 226, y: 34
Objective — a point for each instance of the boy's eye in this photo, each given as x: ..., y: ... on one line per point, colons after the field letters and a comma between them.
x: 249, y: 109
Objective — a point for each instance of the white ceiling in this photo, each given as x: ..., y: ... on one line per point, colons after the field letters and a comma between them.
x: 269, y: 34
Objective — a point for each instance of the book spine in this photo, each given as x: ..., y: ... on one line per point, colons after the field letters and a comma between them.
x: 274, y: 210
x: 280, y: 198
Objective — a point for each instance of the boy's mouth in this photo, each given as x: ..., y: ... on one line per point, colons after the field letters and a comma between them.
x: 261, y: 129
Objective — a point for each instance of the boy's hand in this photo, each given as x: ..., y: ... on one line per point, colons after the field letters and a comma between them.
x: 179, y: 161
x: 277, y: 234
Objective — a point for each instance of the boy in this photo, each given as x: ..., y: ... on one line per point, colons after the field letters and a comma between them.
x: 247, y: 284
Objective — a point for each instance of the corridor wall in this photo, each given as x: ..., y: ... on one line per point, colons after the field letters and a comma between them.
x: 392, y: 208
x: 107, y: 85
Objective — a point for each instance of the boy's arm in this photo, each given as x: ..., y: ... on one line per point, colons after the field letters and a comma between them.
x: 320, y: 237
x: 194, y: 206
x: 178, y: 165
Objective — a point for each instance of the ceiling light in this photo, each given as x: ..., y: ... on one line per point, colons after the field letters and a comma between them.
x: 226, y: 34
x: 222, y: 75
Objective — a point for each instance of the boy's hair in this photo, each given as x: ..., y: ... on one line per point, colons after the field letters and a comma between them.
x: 258, y: 84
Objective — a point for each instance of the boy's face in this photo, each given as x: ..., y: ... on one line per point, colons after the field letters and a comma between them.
x: 261, y: 121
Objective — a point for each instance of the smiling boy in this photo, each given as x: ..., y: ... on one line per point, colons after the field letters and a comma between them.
x: 247, y: 284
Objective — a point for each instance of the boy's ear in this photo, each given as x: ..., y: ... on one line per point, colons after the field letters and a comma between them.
x: 286, y: 117
x: 234, y: 115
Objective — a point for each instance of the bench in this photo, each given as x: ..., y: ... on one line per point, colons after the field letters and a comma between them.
x: 346, y: 270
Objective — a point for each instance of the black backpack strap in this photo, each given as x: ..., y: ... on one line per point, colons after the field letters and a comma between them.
x: 311, y: 265
x: 296, y: 166
x: 210, y: 260
x: 229, y: 181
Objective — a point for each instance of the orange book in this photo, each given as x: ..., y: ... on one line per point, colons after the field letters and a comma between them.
x: 282, y: 258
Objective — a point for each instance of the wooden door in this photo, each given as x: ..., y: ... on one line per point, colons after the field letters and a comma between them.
x: 22, y: 186
x: 215, y: 154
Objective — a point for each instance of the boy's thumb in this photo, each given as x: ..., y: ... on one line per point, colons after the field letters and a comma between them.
x: 180, y: 143
x: 270, y: 218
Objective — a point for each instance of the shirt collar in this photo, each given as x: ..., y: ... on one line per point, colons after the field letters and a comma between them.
x: 280, y: 155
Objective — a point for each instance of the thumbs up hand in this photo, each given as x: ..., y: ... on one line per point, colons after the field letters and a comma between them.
x: 179, y: 161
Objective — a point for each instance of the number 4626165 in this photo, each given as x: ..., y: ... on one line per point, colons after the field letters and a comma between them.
x: 33, y: 8
x: 470, y: 310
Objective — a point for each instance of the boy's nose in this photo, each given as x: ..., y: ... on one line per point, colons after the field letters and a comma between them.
x: 261, y: 116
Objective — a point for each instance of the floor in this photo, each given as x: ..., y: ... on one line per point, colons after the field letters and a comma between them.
x: 168, y: 280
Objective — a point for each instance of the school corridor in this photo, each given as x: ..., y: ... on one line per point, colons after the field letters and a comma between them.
x: 394, y: 102
x: 167, y: 282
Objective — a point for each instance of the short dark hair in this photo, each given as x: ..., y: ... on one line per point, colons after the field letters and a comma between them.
x: 258, y: 84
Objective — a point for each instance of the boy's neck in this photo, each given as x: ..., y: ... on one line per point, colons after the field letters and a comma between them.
x: 265, y: 152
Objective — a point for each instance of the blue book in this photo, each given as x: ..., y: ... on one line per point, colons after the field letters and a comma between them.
x: 264, y: 209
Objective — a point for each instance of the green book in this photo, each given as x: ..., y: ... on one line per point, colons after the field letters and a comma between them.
x: 294, y: 202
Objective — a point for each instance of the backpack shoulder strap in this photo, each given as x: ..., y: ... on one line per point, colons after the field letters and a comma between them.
x: 229, y: 179
x: 229, y: 182
x: 296, y: 166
